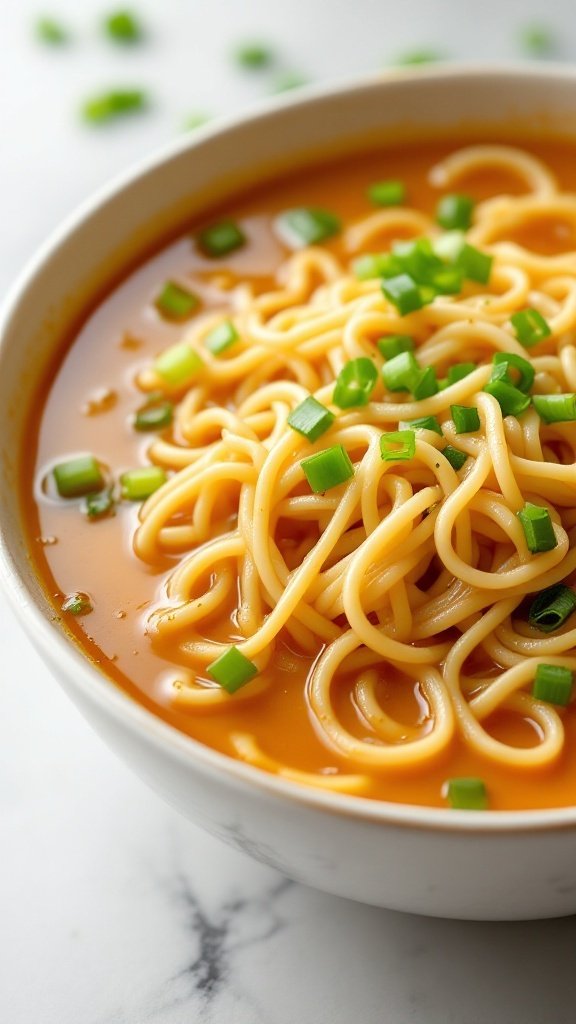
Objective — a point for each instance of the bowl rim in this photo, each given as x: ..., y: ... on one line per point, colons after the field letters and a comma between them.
x: 98, y: 688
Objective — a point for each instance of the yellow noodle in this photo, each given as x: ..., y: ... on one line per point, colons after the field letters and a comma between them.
x: 342, y: 573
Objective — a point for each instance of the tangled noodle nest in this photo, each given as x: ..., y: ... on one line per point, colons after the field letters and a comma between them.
x: 409, y: 564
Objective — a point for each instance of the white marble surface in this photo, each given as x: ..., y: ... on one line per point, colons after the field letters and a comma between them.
x: 113, y: 910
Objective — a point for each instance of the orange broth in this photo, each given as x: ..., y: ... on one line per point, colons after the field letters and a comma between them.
x: 88, y: 404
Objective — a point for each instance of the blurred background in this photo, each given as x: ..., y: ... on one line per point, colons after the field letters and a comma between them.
x: 190, y: 60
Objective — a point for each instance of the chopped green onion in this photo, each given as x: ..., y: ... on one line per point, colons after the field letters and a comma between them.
x: 289, y: 80
x: 355, y: 383
x: 403, y: 292
x: 254, y: 55
x: 537, y: 41
x: 447, y: 280
x: 415, y: 257
x: 178, y: 364
x: 394, y: 344
x: 311, y: 419
x: 376, y: 264
x: 418, y: 259
x: 387, y: 193
x: 50, y: 31
x: 123, y: 27
x: 175, y: 302
x: 398, y: 445
x: 455, y: 457
x: 553, y: 683
x: 77, y: 477
x: 459, y: 371
x: 426, y: 385
x: 327, y: 469
x: 108, y: 106
x: 77, y: 604
x: 454, y: 212
x: 419, y: 57
x: 524, y: 368
x: 453, y: 248
x: 402, y: 372
x: 474, y: 264
x: 139, y: 484
x: 466, y: 418
x: 449, y: 246
x: 530, y: 327
x: 511, y: 400
x: 555, y: 408
x: 232, y: 670
x: 220, y: 239
x: 96, y: 506
x: 551, y: 607
x: 221, y: 338
x: 304, y: 226
x: 538, y: 528
x: 467, y: 794
x: 154, y: 417
x: 195, y: 120
x: 425, y: 423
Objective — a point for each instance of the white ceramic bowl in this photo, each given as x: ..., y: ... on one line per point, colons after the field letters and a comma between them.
x: 492, y: 865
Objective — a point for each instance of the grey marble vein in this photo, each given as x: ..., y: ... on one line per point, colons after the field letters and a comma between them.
x: 240, y: 923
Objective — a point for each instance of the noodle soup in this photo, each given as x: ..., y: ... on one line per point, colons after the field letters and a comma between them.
x: 303, y: 484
